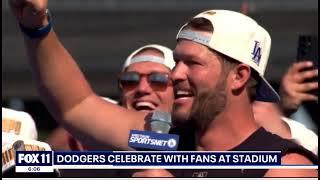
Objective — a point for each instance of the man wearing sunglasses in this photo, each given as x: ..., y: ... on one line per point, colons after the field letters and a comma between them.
x: 98, y: 123
x: 145, y: 82
x: 145, y: 85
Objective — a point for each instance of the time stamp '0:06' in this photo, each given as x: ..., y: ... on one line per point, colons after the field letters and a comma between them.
x: 33, y: 168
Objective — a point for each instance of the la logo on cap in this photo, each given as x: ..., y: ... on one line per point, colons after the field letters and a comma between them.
x: 256, y: 53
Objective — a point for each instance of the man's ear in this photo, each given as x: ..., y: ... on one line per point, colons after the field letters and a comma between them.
x: 240, y: 76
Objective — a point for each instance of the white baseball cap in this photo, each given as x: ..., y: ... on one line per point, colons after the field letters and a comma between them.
x: 17, y: 124
x: 239, y: 37
x: 167, y: 59
x: 8, y: 150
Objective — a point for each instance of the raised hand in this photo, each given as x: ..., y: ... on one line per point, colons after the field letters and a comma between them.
x: 30, y: 13
x: 294, y: 88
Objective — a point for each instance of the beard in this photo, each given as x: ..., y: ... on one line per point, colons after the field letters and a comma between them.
x: 207, y: 104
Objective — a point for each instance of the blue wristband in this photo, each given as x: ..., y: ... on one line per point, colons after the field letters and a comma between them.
x: 34, y: 33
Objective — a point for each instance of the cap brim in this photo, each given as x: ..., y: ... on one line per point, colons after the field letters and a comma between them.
x: 265, y: 92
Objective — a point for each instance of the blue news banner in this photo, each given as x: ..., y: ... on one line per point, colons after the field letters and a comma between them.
x: 47, y: 161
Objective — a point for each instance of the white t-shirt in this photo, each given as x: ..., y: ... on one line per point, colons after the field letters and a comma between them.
x: 302, y: 135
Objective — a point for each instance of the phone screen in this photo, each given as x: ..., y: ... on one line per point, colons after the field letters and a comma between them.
x: 308, y: 49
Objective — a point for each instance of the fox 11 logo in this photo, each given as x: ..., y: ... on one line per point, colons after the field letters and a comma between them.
x: 33, y: 158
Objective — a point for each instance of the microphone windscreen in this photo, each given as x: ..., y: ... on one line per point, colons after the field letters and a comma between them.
x: 160, y: 122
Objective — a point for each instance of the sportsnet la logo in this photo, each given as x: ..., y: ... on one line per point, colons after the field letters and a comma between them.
x: 152, y: 140
x: 145, y: 139
x: 256, y: 53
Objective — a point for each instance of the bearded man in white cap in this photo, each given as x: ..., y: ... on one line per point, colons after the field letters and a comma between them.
x: 221, y: 57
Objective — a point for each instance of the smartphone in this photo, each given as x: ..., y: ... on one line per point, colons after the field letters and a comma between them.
x: 308, y: 50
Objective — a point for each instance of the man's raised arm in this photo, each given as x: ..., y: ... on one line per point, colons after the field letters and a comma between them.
x: 63, y: 87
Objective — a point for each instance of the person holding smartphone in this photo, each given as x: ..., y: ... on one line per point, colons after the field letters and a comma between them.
x: 295, y: 87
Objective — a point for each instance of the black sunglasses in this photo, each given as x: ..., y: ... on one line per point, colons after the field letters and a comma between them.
x: 129, y: 80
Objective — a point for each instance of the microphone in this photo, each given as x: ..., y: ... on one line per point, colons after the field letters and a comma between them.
x: 160, y: 122
x: 158, y: 138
